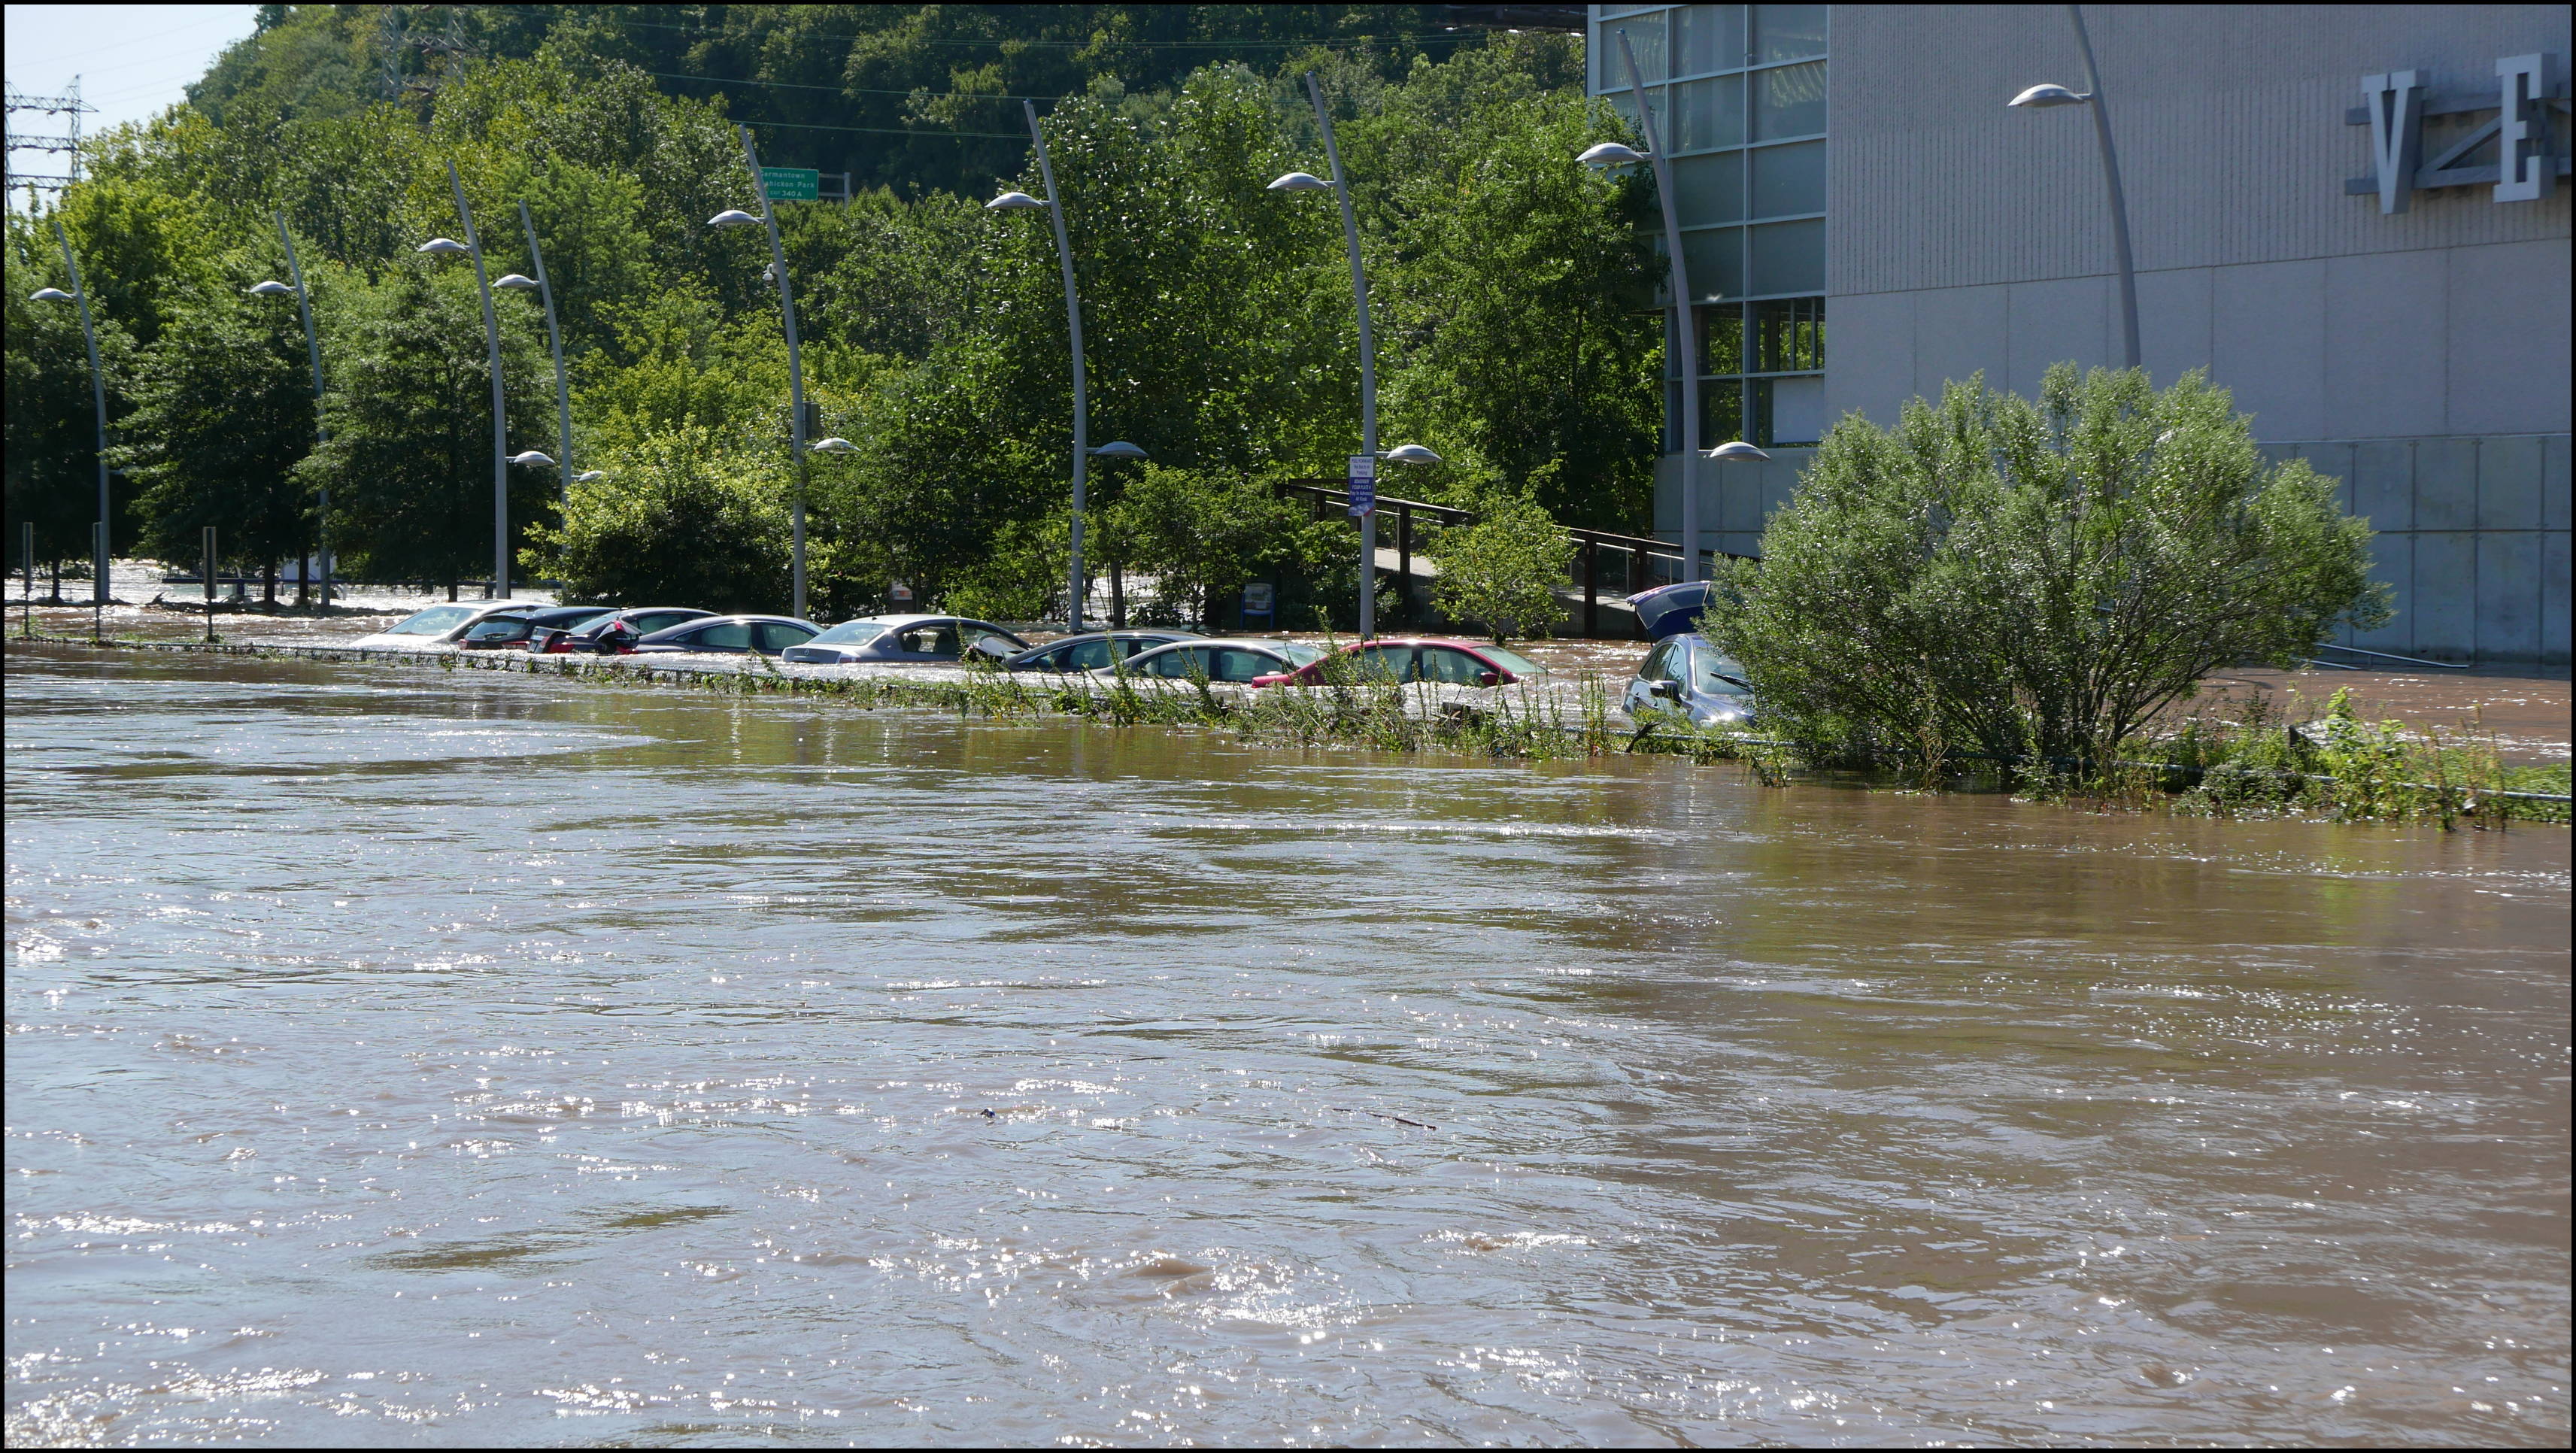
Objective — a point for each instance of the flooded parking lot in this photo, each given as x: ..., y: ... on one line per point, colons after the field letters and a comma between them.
x: 462, y: 1059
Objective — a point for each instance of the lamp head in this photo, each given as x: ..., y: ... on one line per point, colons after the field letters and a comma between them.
x: 733, y: 217
x: 533, y: 456
x: 1301, y: 182
x: 2049, y: 94
x: 270, y: 289
x: 1737, y: 452
x: 443, y: 247
x: 1611, y: 153
x: 50, y: 295
x: 587, y: 475
x: 1410, y: 454
x: 1118, y: 449
x: 834, y: 445
x: 1014, y: 202
x: 514, y: 280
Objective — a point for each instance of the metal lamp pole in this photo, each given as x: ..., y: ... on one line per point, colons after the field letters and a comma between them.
x: 98, y: 398
x: 1012, y: 201
x: 795, y: 366
x: 1402, y: 453
x: 473, y: 247
x: 2055, y: 95
x: 321, y: 430
x: 554, y: 341
x: 1685, y: 329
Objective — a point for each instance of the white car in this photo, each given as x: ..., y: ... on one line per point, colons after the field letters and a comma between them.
x: 437, y: 627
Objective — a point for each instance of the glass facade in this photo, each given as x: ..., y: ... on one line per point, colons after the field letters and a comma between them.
x: 1739, y: 95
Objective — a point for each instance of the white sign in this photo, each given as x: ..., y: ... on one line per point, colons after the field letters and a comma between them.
x: 2396, y: 103
x: 1363, y: 485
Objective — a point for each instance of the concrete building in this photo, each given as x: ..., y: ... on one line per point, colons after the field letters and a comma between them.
x: 2389, y: 301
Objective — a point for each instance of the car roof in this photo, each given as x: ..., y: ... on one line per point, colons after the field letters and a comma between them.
x: 1420, y: 641
x: 1262, y: 643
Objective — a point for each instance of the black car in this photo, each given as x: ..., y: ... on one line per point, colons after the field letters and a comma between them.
x: 511, y: 630
x: 1092, y: 650
x: 614, y: 631
x: 730, y: 635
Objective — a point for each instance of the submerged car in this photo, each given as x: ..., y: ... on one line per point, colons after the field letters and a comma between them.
x: 1441, y: 662
x: 436, y: 626
x: 730, y: 635
x: 613, y: 632
x: 922, y: 639
x: 1092, y: 650
x: 1239, y: 659
x: 1688, y: 674
x: 512, y: 630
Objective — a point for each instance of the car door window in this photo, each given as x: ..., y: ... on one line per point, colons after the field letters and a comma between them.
x: 776, y: 636
x: 975, y: 636
x: 1659, y: 663
x: 728, y: 636
x: 1385, y: 663
x: 657, y: 620
x: 938, y: 640
x: 1234, y: 663
x: 1177, y: 663
x: 1082, y: 656
x: 1451, y: 667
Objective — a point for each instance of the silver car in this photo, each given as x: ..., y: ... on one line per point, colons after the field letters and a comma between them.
x: 1687, y: 674
x: 1233, y: 659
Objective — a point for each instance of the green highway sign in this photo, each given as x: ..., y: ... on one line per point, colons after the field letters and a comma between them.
x: 791, y: 183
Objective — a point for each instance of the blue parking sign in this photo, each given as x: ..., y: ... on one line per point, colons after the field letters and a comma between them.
x: 1363, y: 485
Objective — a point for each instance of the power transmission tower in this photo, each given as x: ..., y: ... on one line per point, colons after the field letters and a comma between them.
x: 68, y: 105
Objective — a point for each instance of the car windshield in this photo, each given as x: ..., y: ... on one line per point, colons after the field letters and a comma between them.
x: 1297, y: 652
x: 849, y: 633
x: 1714, y: 673
x: 438, y: 620
x: 1513, y: 661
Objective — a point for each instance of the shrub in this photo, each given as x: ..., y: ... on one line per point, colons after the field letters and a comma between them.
x: 1502, y: 572
x: 677, y: 520
x: 2034, y: 578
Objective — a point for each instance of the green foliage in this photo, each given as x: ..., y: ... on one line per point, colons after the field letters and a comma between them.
x: 223, y: 414
x: 679, y: 519
x: 52, y: 420
x: 1503, y: 571
x: 2034, y: 578
x: 409, y: 461
x: 1202, y: 534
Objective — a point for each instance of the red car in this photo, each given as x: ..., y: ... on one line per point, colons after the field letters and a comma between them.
x: 1442, y: 662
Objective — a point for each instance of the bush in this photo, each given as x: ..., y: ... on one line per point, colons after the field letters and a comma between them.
x: 2040, y: 579
x: 1503, y: 571
x: 679, y: 521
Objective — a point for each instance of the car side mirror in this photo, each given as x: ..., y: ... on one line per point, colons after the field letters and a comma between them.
x: 1489, y: 678
x: 1668, y: 690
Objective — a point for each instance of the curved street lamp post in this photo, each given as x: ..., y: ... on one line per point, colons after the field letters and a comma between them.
x: 473, y: 247
x: 1053, y: 206
x: 2056, y: 95
x: 1403, y: 454
x: 321, y: 431
x: 1685, y: 331
x: 98, y: 398
x: 795, y: 365
x: 554, y: 342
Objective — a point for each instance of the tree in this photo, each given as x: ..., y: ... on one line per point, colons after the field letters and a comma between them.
x: 2014, y: 576
x: 1202, y: 534
x: 223, y: 414
x: 680, y: 518
x: 409, y: 462
x: 52, y: 419
x: 1503, y: 571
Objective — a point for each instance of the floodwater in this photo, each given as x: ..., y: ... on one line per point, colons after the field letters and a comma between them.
x: 400, y: 1059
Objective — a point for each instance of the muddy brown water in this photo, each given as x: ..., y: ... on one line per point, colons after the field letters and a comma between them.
x: 474, y: 1060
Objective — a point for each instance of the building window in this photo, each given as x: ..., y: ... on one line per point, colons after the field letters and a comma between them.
x: 1739, y: 97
